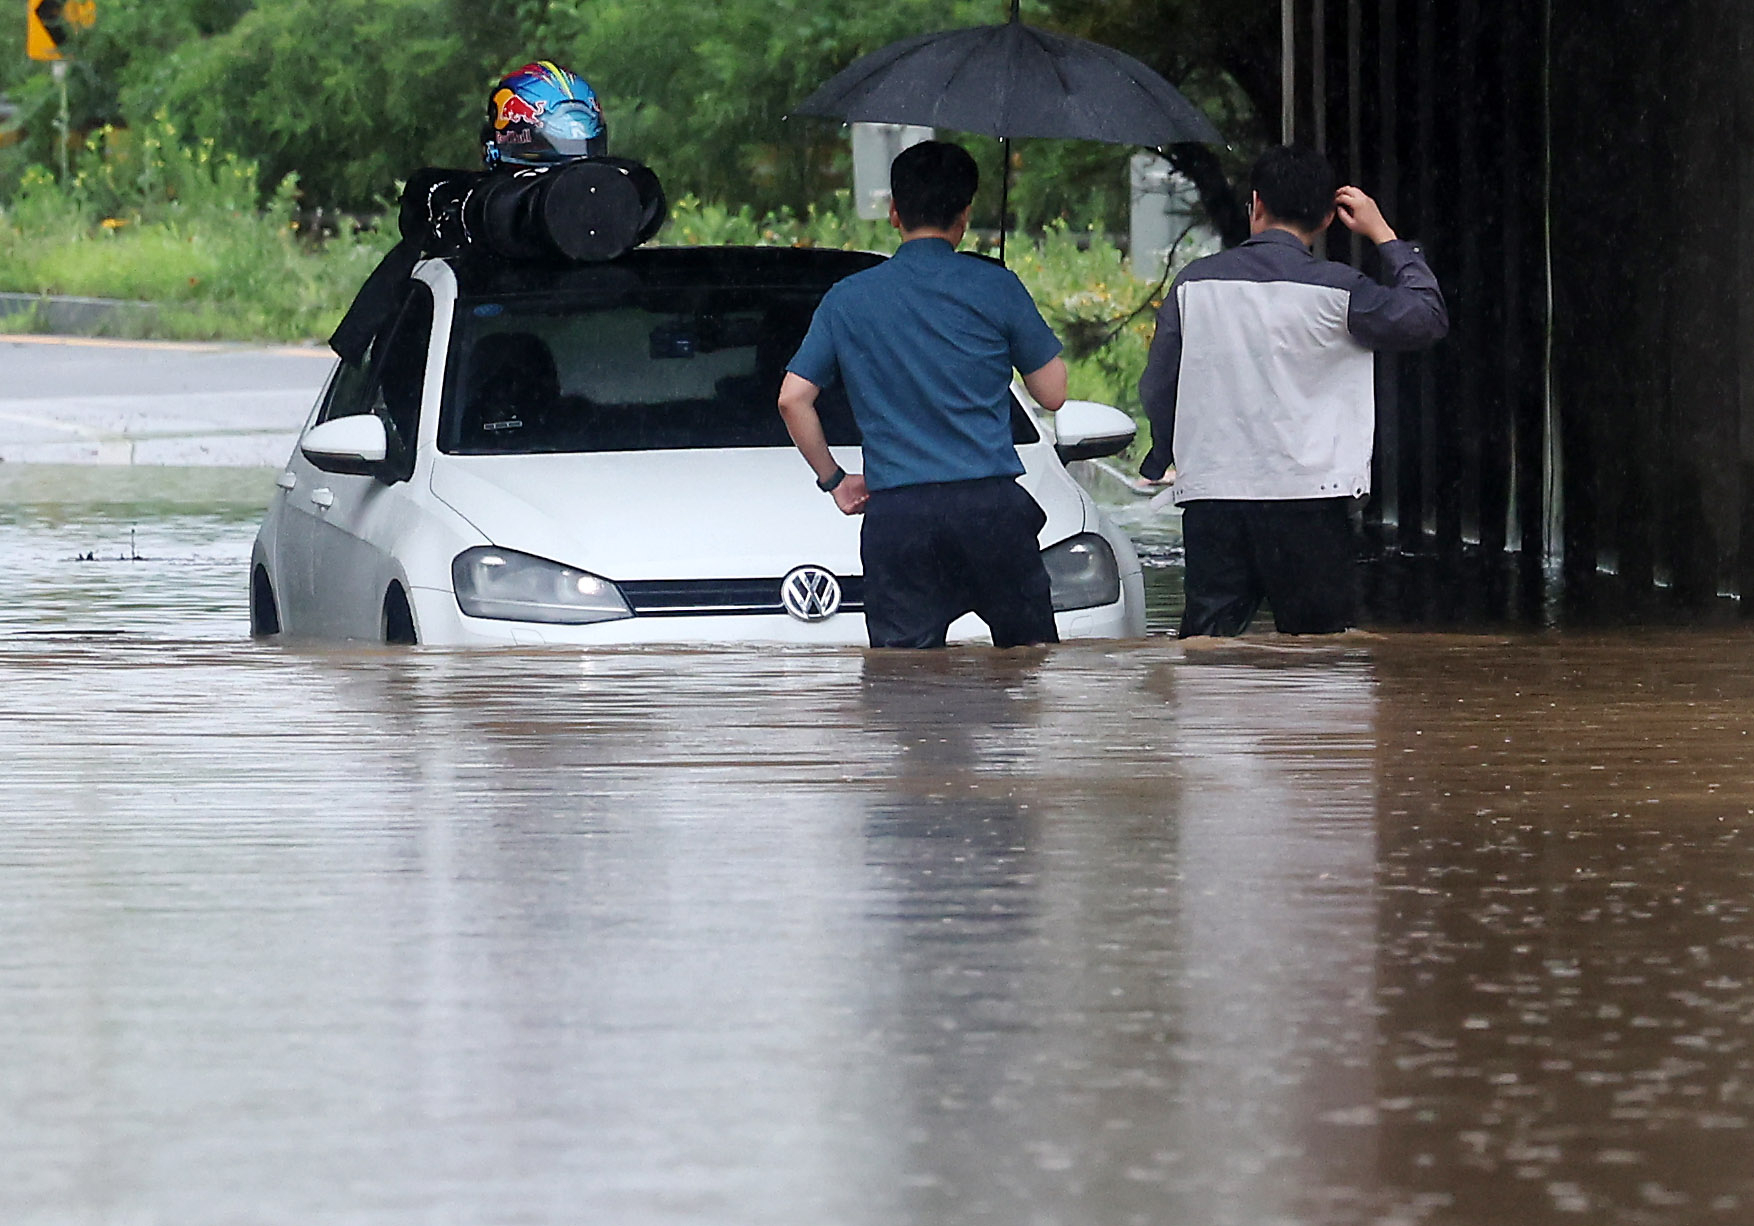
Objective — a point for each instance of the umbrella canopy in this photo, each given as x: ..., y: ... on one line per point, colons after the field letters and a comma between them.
x: 1013, y: 80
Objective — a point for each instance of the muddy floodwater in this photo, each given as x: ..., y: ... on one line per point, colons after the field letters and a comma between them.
x: 1404, y: 928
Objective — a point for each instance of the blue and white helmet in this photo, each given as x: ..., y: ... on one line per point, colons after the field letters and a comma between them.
x: 542, y: 115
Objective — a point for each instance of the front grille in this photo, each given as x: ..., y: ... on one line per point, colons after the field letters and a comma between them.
x: 722, y: 597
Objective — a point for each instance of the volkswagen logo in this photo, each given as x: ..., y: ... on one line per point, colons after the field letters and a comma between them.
x: 810, y: 594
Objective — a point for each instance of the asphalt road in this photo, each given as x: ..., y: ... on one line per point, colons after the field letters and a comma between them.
x: 68, y: 400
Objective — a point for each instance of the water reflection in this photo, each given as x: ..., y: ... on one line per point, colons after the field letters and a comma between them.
x: 1391, y: 929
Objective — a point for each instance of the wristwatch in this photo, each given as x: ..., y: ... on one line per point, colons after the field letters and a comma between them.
x: 831, y: 483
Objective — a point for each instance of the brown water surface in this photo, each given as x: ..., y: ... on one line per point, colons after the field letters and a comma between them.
x: 1394, y: 929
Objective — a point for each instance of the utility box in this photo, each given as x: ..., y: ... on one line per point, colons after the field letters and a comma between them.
x: 875, y: 146
x: 1164, y: 206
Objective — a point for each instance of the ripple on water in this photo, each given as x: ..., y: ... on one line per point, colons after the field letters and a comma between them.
x: 1399, y: 928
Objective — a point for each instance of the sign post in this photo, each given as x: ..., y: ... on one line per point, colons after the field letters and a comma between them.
x: 49, y: 26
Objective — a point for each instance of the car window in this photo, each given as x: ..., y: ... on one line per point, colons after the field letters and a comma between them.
x: 401, y: 366
x: 347, y: 390
x: 388, y: 379
x: 639, y: 369
x: 646, y: 369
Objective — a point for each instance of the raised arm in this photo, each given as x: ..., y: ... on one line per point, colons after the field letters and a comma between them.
x: 1407, y: 313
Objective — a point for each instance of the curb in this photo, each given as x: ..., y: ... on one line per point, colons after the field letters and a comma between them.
x: 82, y: 316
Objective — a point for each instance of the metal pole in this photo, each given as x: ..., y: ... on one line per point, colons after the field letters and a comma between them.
x: 58, y: 70
x: 1287, y: 71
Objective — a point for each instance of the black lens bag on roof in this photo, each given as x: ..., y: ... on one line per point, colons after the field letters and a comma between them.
x: 584, y: 211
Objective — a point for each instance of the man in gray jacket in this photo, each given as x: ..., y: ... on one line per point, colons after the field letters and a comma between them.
x: 1261, y: 392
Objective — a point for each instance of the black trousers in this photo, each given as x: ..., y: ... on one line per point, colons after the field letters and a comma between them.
x: 934, y: 552
x: 1300, y: 555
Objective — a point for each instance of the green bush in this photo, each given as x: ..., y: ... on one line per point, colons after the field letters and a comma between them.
x: 176, y: 224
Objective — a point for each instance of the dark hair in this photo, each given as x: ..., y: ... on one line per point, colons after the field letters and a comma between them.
x: 931, y: 183
x: 1295, y: 184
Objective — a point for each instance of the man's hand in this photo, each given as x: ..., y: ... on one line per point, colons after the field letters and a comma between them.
x: 1360, y: 214
x: 851, y: 495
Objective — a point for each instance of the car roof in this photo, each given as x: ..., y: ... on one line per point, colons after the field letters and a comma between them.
x: 718, y: 266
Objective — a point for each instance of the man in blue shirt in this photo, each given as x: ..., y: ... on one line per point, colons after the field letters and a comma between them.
x: 925, y: 344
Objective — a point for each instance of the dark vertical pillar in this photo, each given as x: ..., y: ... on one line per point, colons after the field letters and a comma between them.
x: 1649, y: 107
x: 1514, y: 484
x: 1424, y: 166
x: 1701, y: 519
x: 1595, y: 289
x: 1468, y: 223
x: 1382, y: 174
x: 1743, y: 579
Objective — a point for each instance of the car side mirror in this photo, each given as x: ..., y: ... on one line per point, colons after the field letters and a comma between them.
x: 353, y: 446
x: 1086, y: 430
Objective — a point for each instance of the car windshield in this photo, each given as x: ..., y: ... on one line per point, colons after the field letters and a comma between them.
x: 631, y: 368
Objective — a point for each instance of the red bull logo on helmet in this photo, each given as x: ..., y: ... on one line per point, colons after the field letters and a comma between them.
x: 509, y: 109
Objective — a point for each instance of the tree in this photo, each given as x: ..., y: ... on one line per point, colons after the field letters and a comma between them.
x: 350, y: 95
x: 701, y: 92
x: 1224, y: 54
x: 354, y: 95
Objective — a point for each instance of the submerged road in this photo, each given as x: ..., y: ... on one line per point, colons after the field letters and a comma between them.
x: 1409, y: 928
x: 66, y: 400
x: 1425, y: 931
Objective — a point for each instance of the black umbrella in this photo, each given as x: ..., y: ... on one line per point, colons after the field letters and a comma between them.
x: 1013, y: 80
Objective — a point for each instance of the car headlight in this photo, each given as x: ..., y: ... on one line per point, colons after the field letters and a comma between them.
x: 1083, y: 572
x: 510, y: 586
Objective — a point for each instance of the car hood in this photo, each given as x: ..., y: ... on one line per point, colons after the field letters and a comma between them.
x: 742, y: 514
x: 656, y: 515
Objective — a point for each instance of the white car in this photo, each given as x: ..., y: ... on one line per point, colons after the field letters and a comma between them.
x: 592, y: 455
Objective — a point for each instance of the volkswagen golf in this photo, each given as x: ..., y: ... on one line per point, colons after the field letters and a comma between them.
x: 591, y: 454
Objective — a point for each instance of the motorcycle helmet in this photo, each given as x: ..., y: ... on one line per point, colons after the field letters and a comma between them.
x: 542, y: 115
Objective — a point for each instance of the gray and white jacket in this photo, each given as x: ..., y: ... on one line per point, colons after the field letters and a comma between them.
x: 1260, y: 383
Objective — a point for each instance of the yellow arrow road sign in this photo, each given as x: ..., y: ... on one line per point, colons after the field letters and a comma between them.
x: 49, y: 25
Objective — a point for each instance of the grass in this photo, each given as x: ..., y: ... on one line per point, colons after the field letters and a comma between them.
x: 150, y: 218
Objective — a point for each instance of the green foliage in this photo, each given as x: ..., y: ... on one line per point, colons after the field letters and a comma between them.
x: 350, y: 95
x: 353, y: 95
x: 175, y: 224
x: 701, y: 91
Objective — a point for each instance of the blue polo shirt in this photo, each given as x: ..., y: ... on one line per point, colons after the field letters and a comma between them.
x: 925, y: 343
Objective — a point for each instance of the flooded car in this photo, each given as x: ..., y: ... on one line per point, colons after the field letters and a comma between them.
x: 591, y: 454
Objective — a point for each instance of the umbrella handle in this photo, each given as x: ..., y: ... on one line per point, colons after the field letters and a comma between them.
x: 1004, y: 184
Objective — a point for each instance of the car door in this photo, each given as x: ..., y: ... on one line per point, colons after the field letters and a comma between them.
x: 343, y: 525
x: 305, y: 495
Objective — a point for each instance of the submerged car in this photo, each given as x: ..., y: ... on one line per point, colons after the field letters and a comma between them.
x: 591, y: 454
